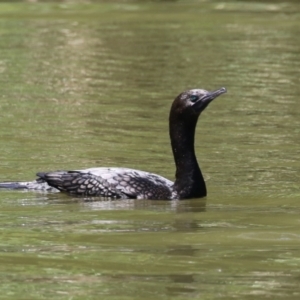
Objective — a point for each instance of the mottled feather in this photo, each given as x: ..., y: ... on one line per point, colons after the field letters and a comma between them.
x: 110, y: 182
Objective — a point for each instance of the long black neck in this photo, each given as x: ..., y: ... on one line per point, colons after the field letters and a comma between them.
x: 189, y: 181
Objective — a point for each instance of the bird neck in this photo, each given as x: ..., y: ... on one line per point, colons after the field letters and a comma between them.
x: 189, y: 181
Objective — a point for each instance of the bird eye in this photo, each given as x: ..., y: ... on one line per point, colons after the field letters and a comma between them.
x: 194, y: 98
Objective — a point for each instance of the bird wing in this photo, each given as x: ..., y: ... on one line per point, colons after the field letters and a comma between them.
x: 111, y: 183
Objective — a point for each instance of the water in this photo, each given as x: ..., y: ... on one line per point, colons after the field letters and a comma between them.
x: 90, y: 84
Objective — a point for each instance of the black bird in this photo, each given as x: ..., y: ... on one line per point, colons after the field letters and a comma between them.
x: 128, y: 183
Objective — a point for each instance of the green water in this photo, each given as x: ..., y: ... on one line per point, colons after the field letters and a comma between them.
x: 88, y: 84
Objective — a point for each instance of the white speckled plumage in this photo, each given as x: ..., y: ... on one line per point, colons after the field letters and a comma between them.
x: 110, y: 182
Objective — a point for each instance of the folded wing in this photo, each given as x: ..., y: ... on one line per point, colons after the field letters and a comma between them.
x: 110, y: 183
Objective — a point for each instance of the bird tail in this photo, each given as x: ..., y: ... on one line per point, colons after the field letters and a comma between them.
x: 36, y: 185
x: 14, y: 185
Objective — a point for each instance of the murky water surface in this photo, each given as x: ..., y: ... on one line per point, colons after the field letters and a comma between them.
x: 91, y: 84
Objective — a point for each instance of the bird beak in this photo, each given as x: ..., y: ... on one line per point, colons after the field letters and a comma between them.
x: 201, y: 104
